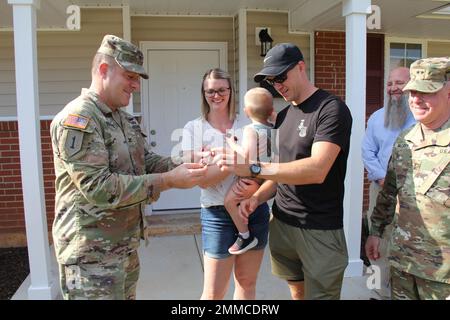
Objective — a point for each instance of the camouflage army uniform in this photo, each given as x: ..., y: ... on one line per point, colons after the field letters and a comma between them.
x: 102, y: 184
x: 419, y: 173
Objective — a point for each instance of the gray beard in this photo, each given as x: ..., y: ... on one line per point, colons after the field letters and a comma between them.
x: 396, y: 112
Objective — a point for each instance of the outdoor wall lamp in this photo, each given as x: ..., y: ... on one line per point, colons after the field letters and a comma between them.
x: 266, y: 41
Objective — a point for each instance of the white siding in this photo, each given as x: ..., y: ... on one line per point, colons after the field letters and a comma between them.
x: 7, y: 76
x: 278, y: 23
x: 162, y: 28
x: 438, y: 49
x: 64, y: 61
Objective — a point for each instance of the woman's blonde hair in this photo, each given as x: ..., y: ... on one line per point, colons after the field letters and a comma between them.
x: 217, y: 73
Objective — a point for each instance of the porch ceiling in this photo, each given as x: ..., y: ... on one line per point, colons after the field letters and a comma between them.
x: 398, y: 18
x: 53, y: 12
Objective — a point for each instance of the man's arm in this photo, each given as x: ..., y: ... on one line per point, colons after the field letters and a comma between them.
x: 184, y: 176
x: 311, y: 170
x: 87, y: 165
x: 383, y: 212
x: 155, y: 163
x: 85, y: 158
x: 332, y: 130
x: 266, y: 191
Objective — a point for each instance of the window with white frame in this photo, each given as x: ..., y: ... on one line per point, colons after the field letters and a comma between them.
x: 402, y: 54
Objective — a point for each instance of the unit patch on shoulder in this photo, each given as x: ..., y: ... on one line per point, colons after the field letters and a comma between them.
x: 76, y: 121
x: 73, y: 142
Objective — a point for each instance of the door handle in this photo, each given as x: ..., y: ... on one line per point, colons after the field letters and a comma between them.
x: 152, y: 132
x: 153, y: 144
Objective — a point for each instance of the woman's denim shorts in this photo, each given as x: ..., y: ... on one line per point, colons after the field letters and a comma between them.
x: 219, y: 232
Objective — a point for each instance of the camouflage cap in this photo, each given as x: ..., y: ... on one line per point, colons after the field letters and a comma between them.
x: 126, y: 54
x: 428, y: 75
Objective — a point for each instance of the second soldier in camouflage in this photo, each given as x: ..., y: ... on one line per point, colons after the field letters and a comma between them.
x: 419, y: 173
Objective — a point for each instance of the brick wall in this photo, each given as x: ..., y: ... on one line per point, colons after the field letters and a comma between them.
x: 329, y: 74
x: 12, y: 219
x: 329, y: 66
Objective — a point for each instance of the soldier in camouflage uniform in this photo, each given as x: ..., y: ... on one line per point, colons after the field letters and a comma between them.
x: 419, y: 173
x: 105, y: 175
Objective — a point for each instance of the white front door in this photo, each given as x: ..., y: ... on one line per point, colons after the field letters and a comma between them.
x: 171, y: 98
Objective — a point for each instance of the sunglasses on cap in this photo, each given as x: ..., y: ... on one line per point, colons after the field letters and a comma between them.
x: 279, y: 78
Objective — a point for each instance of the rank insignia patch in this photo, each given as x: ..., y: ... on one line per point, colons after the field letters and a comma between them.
x: 76, y: 121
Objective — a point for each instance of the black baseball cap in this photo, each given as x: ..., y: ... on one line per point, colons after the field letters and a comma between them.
x: 279, y: 59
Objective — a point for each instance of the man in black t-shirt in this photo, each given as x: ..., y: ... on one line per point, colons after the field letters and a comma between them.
x: 307, y: 241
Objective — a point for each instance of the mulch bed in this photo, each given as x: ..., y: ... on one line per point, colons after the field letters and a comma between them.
x: 14, y: 269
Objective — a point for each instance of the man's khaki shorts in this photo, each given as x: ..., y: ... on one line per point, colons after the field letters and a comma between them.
x: 318, y: 257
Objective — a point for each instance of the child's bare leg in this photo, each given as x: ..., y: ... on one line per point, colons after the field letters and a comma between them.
x: 232, y: 206
x: 244, y: 241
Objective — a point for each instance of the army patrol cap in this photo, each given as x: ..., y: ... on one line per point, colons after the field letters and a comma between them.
x: 428, y: 75
x: 126, y: 54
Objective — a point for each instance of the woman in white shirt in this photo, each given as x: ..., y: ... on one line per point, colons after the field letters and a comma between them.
x: 218, y: 230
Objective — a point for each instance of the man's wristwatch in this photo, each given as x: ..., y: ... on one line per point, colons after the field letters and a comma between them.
x: 255, y: 169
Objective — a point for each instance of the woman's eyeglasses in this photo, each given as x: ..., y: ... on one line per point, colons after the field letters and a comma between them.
x: 221, y: 92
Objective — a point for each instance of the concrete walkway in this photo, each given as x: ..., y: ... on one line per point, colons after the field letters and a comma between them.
x: 172, y: 269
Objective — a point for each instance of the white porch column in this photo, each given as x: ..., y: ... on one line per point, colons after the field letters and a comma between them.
x: 25, y: 47
x: 242, y: 25
x: 354, y: 12
x: 126, y: 25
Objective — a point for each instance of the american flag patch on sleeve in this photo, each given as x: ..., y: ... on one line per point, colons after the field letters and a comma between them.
x: 76, y: 121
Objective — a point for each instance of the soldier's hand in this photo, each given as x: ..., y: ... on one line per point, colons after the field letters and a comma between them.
x: 186, y: 175
x: 372, y: 245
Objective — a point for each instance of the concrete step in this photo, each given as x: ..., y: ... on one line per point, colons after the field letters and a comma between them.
x: 174, y: 224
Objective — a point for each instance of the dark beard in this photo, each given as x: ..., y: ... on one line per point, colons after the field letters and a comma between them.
x: 396, y: 112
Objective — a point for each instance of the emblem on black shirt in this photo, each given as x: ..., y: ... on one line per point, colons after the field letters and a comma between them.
x: 302, y: 129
